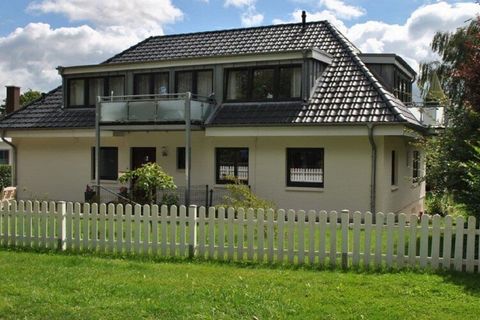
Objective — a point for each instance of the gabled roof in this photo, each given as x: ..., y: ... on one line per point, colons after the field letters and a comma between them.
x: 346, y: 93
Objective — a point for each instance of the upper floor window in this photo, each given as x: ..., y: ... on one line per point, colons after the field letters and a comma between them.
x: 264, y: 83
x: 198, y: 82
x: 151, y: 83
x: 84, y: 92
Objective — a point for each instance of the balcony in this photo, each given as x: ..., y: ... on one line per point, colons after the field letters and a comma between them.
x: 156, y: 109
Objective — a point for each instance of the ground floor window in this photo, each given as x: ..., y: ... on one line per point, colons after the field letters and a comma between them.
x: 305, y: 167
x: 394, y: 169
x: 108, y: 165
x: 181, y: 158
x: 4, y: 156
x: 231, y: 162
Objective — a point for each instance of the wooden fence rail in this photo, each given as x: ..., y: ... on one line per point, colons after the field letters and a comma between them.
x: 295, y: 237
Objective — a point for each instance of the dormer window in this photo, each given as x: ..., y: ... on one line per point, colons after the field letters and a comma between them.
x: 264, y: 83
x: 84, y: 92
x: 198, y: 82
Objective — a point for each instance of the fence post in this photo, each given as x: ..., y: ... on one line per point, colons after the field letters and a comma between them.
x: 192, y: 240
x: 62, y: 226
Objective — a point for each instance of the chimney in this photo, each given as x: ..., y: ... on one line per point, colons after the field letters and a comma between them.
x: 12, y: 102
x: 304, y: 20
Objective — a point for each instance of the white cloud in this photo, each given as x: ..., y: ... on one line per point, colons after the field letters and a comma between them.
x: 29, y: 55
x: 251, y: 17
x: 144, y: 15
x: 239, y: 3
x: 343, y: 10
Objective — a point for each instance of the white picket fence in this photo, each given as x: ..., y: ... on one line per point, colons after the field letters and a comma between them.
x: 295, y: 237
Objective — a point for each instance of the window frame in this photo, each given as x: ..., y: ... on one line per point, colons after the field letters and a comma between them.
x: 194, y: 79
x: 276, y: 82
x: 151, y: 81
x: 86, y: 91
x: 217, y: 164
x: 104, y: 177
x: 290, y: 183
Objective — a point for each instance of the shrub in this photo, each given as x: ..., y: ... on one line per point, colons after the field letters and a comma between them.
x: 241, y: 196
x: 5, y: 175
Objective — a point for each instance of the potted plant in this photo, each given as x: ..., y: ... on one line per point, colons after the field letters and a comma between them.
x: 89, y: 194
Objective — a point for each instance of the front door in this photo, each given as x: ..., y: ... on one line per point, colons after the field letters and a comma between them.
x: 140, y: 156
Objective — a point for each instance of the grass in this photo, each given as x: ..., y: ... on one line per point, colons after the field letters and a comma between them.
x: 60, y: 286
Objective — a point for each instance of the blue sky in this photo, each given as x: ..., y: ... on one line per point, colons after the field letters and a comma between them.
x: 36, y: 36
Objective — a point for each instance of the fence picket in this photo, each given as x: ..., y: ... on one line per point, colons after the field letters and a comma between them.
x: 390, y: 231
x: 128, y: 229
x: 69, y: 233
x: 368, y: 239
x: 119, y: 227
x: 333, y: 238
x: 345, y: 217
x: 401, y: 240
x: 470, y: 244
x: 241, y: 222
x: 43, y: 224
x: 101, y: 227
x: 164, y: 230
x: 221, y: 233
x: 435, y: 241
x: 154, y: 225
x: 211, y: 232
x: 412, y: 241
x: 281, y: 233
x: 447, y: 243
x: 378, y: 239
x: 201, y: 232
x: 424, y: 221
x: 28, y: 223
x: 322, y: 222
x: 111, y: 228
x: 86, y: 222
x: 260, y: 234
x: 146, y: 221
x: 137, y: 229
x: 458, y: 256
x: 231, y: 233
x: 20, y: 236
x: 94, y: 226
x: 182, y: 230
x: 301, y: 236
x: 312, y: 216
x: 357, y: 220
x: 250, y: 233
x: 173, y: 230
x: 13, y: 225
x: 270, y: 235
x: 290, y: 236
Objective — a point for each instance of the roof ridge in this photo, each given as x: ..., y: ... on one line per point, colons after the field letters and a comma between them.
x: 374, y: 81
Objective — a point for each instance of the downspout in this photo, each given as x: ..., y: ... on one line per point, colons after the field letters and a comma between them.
x: 373, y: 176
x: 14, y: 158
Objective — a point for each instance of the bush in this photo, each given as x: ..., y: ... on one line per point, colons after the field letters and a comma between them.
x: 241, y: 196
x: 5, y: 175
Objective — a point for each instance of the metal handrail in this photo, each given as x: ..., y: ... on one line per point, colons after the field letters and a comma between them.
x: 115, y: 194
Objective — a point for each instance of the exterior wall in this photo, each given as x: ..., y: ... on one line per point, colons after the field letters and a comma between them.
x: 60, y: 168
x: 406, y: 196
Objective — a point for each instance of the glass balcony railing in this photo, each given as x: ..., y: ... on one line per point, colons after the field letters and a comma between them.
x: 153, y: 108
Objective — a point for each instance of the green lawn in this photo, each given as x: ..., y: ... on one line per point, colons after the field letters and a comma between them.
x: 58, y: 286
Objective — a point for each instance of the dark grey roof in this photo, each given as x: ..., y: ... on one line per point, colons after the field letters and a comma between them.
x: 347, y: 91
x: 48, y: 112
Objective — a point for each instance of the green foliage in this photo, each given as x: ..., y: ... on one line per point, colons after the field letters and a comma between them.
x: 241, y: 196
x: 29, y: 96
x: 5, y: 175
x: 148, y: 179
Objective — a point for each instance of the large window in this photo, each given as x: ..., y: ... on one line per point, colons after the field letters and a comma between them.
x: 231, y: 162
x: 151, y: 83
x: 198, y: 82
x: 4, y: 157
x: 84, y: 92
x: 108, y: 164
x: 305, y: 167
x: 264, y: 83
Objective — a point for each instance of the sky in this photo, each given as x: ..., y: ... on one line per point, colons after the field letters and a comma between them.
x: 37, y: 36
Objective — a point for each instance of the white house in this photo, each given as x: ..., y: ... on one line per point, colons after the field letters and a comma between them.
x: 294, y: 110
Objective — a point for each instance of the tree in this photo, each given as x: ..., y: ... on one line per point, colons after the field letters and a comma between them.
x: 148, y: 179
x: 450, y: 153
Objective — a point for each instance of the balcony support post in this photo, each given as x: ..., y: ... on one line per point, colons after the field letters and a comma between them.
x: 188, y: 154
x: 97, y: 148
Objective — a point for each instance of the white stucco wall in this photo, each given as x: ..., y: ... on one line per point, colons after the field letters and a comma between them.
x: 60, y: 168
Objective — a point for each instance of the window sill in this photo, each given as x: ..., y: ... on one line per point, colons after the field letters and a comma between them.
x: 394, y: 188
x: 307, y: 189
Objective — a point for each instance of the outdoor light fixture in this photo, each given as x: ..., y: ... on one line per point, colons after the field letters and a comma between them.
x: 164, y: 151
